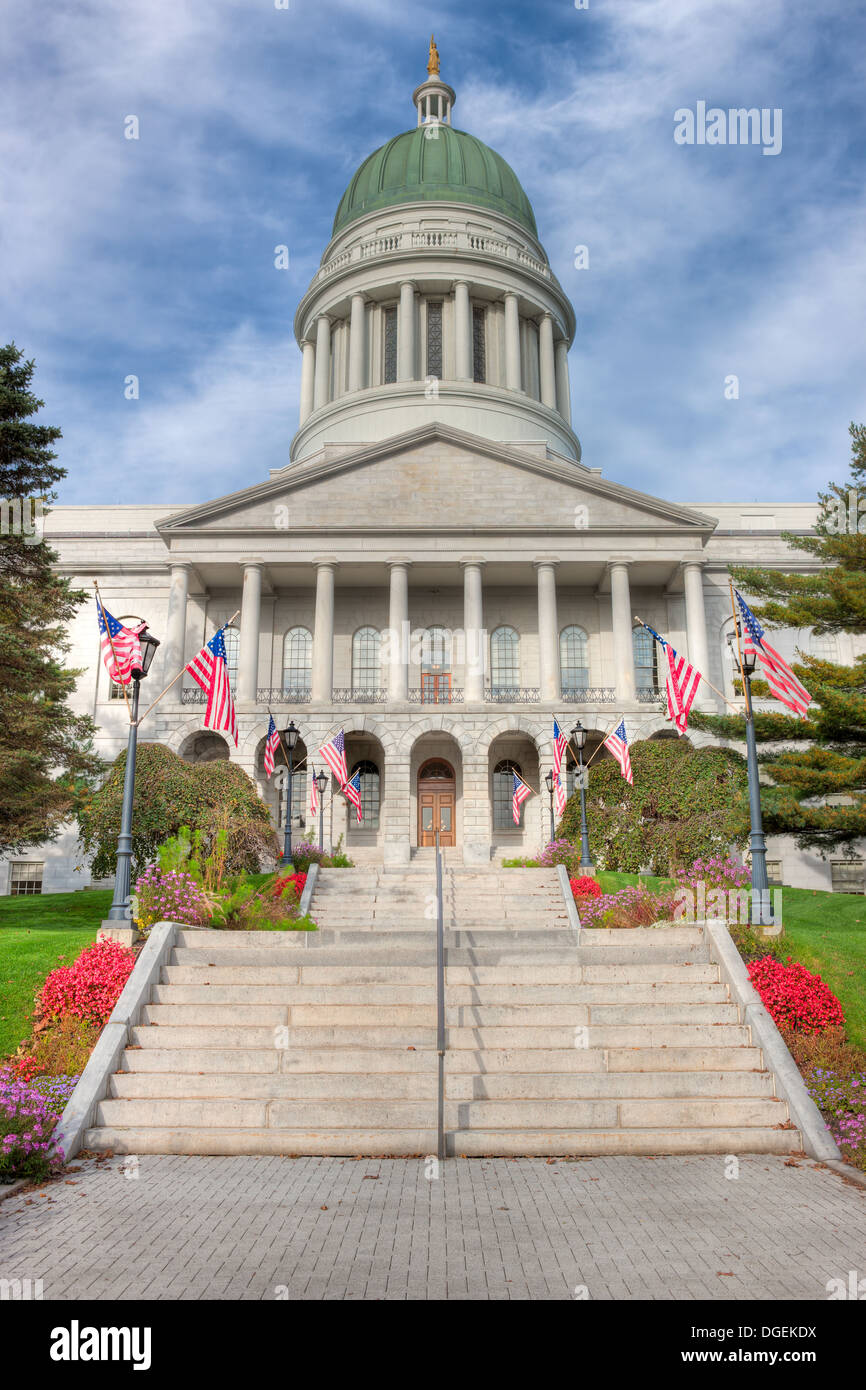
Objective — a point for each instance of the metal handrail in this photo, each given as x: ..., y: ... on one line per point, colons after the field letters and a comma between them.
x: 440, y: 1001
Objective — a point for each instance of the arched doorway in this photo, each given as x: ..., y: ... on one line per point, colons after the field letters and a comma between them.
x: 437, y: 802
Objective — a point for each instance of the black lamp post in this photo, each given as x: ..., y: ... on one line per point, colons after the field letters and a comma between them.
x: 120, y: 907
x: 290, y: 738
x: 578, y: 739
x: 549, y: 782
x: 761, y: 913
x: 321, y: 783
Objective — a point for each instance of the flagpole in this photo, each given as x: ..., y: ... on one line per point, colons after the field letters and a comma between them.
x: 113, y: 652
x: 181, y: 671
x: 714, y: 689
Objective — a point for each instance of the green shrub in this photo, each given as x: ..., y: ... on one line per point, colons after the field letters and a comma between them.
x: 686, y: 803
x: 171, y: 794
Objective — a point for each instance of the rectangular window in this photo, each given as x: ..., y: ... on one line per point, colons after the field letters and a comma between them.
x: 25, y: 879
x: 479, y: 354
x: 774, y: 872
x: 115, y: 691
x: 848, y: 876
x: 434, y: 339
x: 389, y: 364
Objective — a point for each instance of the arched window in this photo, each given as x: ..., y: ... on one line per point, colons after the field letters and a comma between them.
x: 504, y: 660
x: 573, y: 659
x: 436, y: 665
x: 369, y: 796
x: 233, y: 641
x: 297, y: 659
x: 503, y: 795
x: 645, y: 659
x: 366, y: 671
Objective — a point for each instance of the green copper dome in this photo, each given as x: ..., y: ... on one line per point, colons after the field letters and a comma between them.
x: 453, y: 167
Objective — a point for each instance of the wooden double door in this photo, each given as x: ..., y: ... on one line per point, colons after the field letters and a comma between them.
x: 437, y: 803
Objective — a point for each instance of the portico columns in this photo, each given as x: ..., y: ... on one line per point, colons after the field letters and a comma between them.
x: 323, y: 362
x: 548, y: 628
x: 398, y: 624
x: 462, y: 332
x: 406, y: 333
x: 357, y: 328
x: 175, y: 625
x: 512, y: 342
x: 323, y: 633
x: 248, y: 654
x: 563, y: 392
x: 473, y: 629
x: 546, y: 362
x: 696, y: 623
x: 621, y: 624
x: 308, y: 383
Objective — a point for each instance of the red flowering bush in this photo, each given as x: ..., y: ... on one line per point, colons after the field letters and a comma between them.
x: 794, y: 997
x: 24, y: 1067
x: 90, y: 987
x: 585, y: 887
x: 296, y: 880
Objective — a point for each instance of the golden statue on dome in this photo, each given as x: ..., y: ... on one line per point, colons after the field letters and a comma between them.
x: 433, y: 58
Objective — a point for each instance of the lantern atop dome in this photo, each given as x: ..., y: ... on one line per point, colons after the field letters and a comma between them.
x: 434, y: 98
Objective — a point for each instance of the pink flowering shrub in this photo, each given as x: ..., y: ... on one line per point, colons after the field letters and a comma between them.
x: 170, y: 895
x: 628, y: 907
x: 714, y: 872
x: 90, y: 987
x: 794, y: 997
x: 26, y: 1123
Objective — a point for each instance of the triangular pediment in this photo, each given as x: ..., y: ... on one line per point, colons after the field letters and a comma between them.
x: 435, y: 478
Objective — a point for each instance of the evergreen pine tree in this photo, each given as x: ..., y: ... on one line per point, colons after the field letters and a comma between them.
x: 46, y: 753
x: 826, y: 753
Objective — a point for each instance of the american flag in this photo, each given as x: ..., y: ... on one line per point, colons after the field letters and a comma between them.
x: 334, y: 754
x: 352, y: 792
x: 617, y: 742
x: 314, y: 793
x: 127, y: 648
x: 272, y: 743
x: 521, y: 792
x: 681, y: 684
x: 209, y: 669
x: 560, y: 748
x: 779, y: 676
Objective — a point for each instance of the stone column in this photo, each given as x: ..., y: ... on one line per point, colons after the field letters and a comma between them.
x: 308, y: 379
x: 406, y: 333
x: 546, y: 362
x: 696, y: 626
x: 323, y: 634
x: 398, y: 625
x: 174, y: 642
x: 621, y: 626
x: 323, y: 362
x: 397, y: 809
x: 357, y: 335
x: 548, y: 628
x: 462, y: 332
x: 248, y: 654
x: 473, y: 629
x: 563, y: 392
x: 512, y: 342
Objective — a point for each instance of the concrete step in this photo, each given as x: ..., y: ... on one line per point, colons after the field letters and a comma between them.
x: 421, y: 1084
x: 214, y: 995
x: 529, y: 975
x: 247, y: 1062
x: 416, y: 1142
x: 481, y: 1038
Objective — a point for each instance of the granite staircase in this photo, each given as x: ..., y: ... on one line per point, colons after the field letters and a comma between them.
x: 325, y: 1042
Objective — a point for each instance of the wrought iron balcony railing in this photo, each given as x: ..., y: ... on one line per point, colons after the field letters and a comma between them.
x: 193, y: 696
x: 283, y: 695
x: 589, y: 694
x: 353, y: 695
x: 436, y: 697
x: 511, y: 695
x: 649, y: 694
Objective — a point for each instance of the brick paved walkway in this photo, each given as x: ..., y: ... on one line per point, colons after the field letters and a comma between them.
x: 264, y: 1228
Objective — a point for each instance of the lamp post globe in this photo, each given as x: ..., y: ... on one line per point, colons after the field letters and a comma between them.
x: 120, y: 910
x: 578, y: 739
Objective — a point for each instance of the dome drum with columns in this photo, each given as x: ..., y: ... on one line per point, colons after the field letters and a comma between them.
x: 435, y: 569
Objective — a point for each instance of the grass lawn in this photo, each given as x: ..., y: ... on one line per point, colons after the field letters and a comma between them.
x: 826, y: 932
x: 34, y: 933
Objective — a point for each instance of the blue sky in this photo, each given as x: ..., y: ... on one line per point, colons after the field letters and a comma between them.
x: 155, y: 257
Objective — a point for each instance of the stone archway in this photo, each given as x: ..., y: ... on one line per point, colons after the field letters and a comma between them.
x: 435, y: 751
x: 204, y: 746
